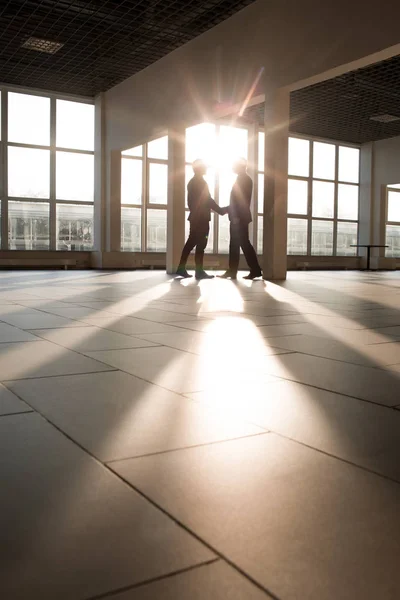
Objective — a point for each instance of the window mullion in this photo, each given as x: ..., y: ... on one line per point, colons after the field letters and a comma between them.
x: 4, y: 170
x: 53, y: 208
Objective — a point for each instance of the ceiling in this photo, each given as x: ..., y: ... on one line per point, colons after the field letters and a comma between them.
x: 341, y: 108
x: 86, y: 46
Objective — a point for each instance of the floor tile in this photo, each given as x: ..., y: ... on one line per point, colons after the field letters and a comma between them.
x: 86, y: 339
x: 360, y: 432
x: 217, y: 581
x: 129, y: 325
x: 365, y: 383
x: 77, y: 312
x: 40, y: 320
x: 83, y: 531
x: 115, y: 415
x: 8, y: 333
x: 175, y: 370
x: 297, y: 521
x: 43, y: 359
x: 10, y: 404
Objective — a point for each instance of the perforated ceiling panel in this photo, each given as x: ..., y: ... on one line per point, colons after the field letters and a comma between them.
x: 342, y: 108
x: 87, y: 46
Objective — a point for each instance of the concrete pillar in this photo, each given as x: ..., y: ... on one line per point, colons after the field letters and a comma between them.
x: 113, y: 204
x: 176, y: 198
x: 365, y: 232
x: 277, y: 106
x: 99, y: 175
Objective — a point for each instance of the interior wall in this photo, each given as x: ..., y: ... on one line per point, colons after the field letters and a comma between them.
x: 290, y: 40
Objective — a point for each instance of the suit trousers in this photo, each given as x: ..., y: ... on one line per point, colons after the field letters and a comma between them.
x: 198, y: 237
x: 239, y: 238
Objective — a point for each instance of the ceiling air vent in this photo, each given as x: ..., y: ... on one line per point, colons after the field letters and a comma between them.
x: 384, y: 118
x: 41, y: 45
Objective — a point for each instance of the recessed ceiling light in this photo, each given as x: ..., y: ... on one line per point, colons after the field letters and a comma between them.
x: 384, y: 118
x: 41, y: 45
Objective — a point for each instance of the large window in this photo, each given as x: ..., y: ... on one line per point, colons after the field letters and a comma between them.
x: 218, y: 146
x: 260, y: 192
x: 393, y: 222
x: 47, y: 172
x: 323, y: 198
x: 144, y: 193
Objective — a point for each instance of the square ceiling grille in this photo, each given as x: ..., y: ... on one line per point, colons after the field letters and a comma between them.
x: 87, y: 46
x: 358, y: 107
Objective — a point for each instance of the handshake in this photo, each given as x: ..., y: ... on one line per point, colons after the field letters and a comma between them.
x: 224, y: 210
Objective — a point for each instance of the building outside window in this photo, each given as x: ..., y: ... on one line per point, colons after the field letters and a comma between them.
x: 47, y: 172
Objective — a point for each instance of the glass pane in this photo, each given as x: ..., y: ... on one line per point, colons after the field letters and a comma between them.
x: 322, y: 238
x: 232, y: 144
x: 223, y: 235
x: 297, y: 197
x: 299, y: 157
x: 297, y: 236
x: 131, y: 229
x: 74, y: 176
x: 74, y: 227
x: 226, y: 181
x: 28, y: 172
x: 323, y: 199
x: 260, y: 233
x: 75, y: 125
x: 210, y: 244
x: 347, y: 201
x: 346, y: 236
x: 349, y: 164
x: 137, y: 151
x: 210, y: 178
x: 324, y: 160
x: 158, y: 148
x: 261, y: 150
x: 156, y: 230
x: 28, y: 119
x: 28, y: 225
x: 393, y: 240
x: 158, y: 183
x: 131, y: 181
x: 260, y: 193
x: 201, y: 143
x: 394, y: 206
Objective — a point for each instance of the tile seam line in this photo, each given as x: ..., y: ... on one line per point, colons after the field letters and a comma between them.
x: 177, y: 522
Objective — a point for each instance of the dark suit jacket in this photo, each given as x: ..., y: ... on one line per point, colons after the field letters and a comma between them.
x: 239, y: 206
x: 200, y: 202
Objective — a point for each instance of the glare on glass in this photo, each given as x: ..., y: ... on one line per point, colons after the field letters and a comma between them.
x: 226, y: 181
x: 156, y: 230
x: 322, y: 238
x: 297, y: 196
x: 210, y: 243
x: 324, y: 160
x: 348, y: 202
x: 232, y: 144
x: 158, y: 183
x: 74, y: 125
x: 28, y: 172
x: 394, y: 206
x: 131, y: 181
x: 349, y: 164
x: 28, y: 119
x: 260, y: 193
x: 261, y: 150
x: 260, y: 233
x: 392, y: 240
x: 158, y: 148
x: 74, y: 227
x: 297, y: 236
x: 137, y: 151
x: 74, y: 176
x: 323, y: 199
x: 299, y: 157
x: 131, y: 229
x: 201, y: 143
x: 28, y: 225
x: 346, y: 237
x: 209, y: 177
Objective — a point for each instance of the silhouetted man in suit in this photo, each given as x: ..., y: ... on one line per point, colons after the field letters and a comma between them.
x: 240, y: 218
x: 200, y: 205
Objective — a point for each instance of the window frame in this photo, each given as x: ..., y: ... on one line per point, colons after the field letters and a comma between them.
x: 396, y: 190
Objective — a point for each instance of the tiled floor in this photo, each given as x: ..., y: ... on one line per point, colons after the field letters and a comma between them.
x: 171, y: 440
